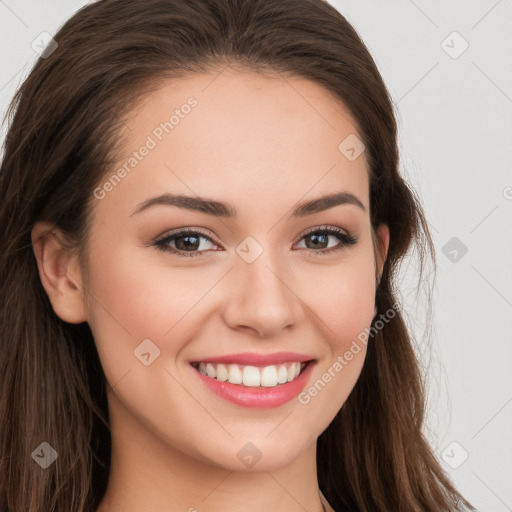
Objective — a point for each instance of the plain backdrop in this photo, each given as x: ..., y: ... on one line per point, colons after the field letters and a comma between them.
x: 448, y: 67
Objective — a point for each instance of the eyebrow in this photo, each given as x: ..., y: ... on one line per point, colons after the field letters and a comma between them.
x: 220, y: 209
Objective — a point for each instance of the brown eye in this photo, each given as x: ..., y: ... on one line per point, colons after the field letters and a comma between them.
x: 318, y: 240
x: 187, y: 241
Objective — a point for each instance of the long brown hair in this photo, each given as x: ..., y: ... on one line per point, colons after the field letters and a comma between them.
x: 64, y: 125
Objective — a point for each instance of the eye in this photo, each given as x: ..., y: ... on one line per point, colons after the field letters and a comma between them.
x: 185, y: 241
x: 319, y: 237
x: 188, y: 242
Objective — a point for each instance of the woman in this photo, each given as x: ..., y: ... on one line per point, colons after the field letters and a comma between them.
x: 202, y: 216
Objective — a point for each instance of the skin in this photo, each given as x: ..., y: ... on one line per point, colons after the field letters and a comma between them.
x: 263, y: 144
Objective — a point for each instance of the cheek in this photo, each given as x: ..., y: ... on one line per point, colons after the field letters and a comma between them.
x: 141, y: 292
x: 137, y: 296
x: 344, y: 299
x: 129, y: 302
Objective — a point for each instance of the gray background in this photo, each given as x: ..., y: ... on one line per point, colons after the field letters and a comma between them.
x: 454, y: 110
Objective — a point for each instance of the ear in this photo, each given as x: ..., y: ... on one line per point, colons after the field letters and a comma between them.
x: 59, y: 272
x: 382, y: 245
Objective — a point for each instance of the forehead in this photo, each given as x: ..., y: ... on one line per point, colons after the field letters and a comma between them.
x: 236, y: 136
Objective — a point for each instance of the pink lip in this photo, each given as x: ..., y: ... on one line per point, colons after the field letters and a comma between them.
x: 260, y: 397
x: 254, y: 359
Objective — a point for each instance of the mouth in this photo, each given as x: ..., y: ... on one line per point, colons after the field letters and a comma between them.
x: 252, y: 376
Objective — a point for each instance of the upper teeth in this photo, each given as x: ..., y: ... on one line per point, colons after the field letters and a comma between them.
x: 252, y: 376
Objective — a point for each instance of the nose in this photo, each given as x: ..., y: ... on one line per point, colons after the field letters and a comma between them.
x: 262, y: 298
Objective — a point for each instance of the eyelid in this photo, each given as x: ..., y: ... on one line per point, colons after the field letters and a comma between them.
x: 325, y: 227
x: 184, y: 232
x: 329, y: 229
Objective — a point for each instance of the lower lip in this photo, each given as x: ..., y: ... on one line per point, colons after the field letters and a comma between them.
x: 260, y: 397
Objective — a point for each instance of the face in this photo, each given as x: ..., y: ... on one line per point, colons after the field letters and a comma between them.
x: 254, y: 277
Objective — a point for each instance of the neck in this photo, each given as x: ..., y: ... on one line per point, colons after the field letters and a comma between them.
x: 149, y: 474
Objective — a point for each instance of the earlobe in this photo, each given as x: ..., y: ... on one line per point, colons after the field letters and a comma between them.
x: 59, y: 273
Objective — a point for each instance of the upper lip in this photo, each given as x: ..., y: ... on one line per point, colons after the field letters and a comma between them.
x: 255, y: 359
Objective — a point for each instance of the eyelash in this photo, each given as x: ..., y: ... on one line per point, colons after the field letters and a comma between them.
x: 345, y: 239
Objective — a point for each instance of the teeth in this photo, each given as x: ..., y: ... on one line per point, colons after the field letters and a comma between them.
x: 282, y: 375
x: 210, y: 370
x: 291, y: 373
x: 252, y: 376
x: 269, y: 376
x: 235, y: 374
x: 222, y: 373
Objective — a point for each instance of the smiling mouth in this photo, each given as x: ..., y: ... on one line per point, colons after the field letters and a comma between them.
x: 252, y: 376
